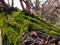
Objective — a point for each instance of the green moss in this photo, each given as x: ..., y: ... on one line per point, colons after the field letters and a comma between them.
x: 16, y: 23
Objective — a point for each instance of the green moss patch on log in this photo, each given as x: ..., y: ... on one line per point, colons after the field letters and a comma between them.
x: 13, y: 25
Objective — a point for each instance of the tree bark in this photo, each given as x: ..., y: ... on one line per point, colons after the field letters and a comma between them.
x: 12, y: 3
x: 3, y: 3
x: 22, y: 5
